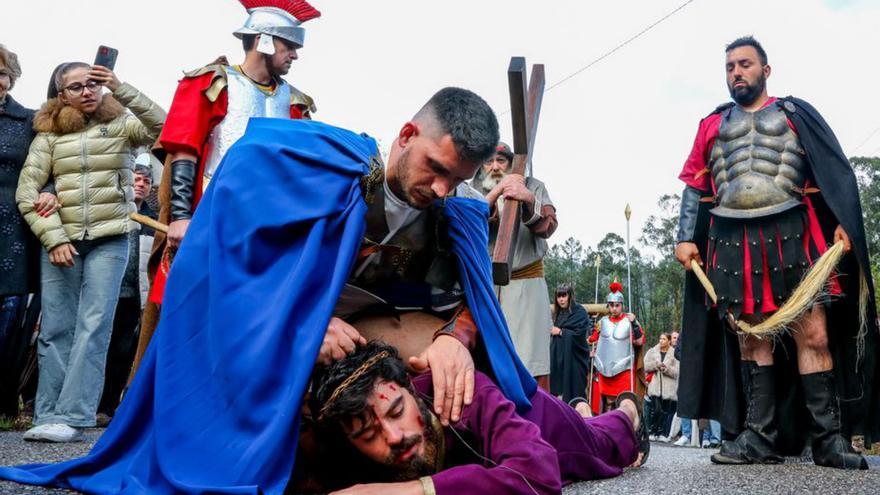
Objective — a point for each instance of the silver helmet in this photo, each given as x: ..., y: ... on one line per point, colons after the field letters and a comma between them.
x: 281, y: 18
x: 616, y: 294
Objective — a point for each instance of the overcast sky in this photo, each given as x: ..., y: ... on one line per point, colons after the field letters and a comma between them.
x: 617, y: 133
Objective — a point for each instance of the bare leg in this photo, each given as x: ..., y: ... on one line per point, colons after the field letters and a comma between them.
x: 543, y: 382
x: 754, y: 349
x: 811, y: 336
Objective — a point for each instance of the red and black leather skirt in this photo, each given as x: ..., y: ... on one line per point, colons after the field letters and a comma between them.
x: 755, y: 264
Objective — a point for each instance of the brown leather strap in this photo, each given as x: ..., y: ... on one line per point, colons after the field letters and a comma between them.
x: 701, y: 173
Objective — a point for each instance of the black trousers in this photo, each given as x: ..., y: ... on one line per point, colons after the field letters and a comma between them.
x: 123, y: 344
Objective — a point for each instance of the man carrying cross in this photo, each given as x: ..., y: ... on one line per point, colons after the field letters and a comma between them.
x: 768, y: 188
x: 524, y: 299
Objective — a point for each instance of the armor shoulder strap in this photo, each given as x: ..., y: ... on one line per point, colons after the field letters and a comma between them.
x: 302, y: 100
x: 218, y: 80
x: 791, y: 104
x: 721, y: 108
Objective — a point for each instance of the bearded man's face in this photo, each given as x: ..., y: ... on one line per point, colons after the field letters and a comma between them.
x: 494, y: 171
x: 397, y: 432
x: 746, y: 75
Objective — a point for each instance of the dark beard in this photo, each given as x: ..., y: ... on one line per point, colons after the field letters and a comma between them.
x: 419, y: 465
x: 747, y: 95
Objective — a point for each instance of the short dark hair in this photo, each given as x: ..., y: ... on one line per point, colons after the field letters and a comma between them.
x: 748, y: 41
x: 352, y: 400
x: 145, y: 171
x: 470, y: 121
x: 248, y: 41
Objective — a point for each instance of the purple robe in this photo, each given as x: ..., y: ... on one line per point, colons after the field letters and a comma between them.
x: 550, y: 446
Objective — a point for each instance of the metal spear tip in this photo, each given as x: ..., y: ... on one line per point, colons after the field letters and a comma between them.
x: 627, y: 212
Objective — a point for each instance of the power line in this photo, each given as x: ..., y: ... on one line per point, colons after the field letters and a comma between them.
x: 857, y: 148
x: 618, y: 47
x: 613, y: 50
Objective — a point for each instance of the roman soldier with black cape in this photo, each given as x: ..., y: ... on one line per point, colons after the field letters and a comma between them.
x: 756, y: 253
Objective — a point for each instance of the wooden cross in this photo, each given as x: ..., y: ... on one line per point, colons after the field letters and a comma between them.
x: 525, y: 106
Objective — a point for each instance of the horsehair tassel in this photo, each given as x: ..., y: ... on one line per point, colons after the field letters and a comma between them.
x: 803, y: 297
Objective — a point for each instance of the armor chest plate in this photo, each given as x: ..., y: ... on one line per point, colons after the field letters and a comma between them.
x: 613, y: 351
x: 757, y: 164
x: 245, y: 100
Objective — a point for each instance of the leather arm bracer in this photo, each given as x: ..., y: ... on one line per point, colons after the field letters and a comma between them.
x: 183, y: 178
x: 687, y: 217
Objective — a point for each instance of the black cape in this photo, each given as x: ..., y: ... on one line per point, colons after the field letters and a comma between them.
x: 570, y: 354
x: 710, y: 383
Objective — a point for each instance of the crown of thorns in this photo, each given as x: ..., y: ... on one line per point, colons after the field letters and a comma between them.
x: 351, y: 379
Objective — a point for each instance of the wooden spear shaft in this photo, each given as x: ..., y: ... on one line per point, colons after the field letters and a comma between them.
x: 149, y: 222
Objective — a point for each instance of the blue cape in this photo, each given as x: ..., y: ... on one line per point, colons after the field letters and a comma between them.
x: 215, y: 406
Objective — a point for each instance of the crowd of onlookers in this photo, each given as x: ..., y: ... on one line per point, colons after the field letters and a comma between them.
x: 72, y: 262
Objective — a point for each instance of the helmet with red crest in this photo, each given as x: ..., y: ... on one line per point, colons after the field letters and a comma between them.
x: 616, y: 294
x: 276, y: 18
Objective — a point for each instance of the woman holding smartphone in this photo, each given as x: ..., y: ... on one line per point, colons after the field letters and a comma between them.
x: 85, y: 147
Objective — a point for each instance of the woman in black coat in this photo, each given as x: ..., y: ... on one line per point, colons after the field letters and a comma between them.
x: 19, y: 250
x: 569, y: 352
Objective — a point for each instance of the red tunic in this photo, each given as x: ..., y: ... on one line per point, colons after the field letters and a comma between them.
x: 190, y: 120
x: 696, y: 173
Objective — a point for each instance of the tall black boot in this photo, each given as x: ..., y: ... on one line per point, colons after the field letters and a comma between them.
x: 757, y: 443
x: 829, y: 447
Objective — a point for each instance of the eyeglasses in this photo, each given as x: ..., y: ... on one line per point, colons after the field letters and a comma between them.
x: 77, y: 88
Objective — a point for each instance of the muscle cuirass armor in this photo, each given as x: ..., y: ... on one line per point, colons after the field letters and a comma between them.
x: 245, y: 100
x: 613, y: 351
x: 757, y: 164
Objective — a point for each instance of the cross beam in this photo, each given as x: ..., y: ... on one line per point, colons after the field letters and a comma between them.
x: 525, y: 107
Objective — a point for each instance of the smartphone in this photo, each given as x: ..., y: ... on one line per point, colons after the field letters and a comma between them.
x: 106, y: 57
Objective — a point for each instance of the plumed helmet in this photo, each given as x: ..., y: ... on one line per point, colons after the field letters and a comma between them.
x: 616, y: 294
x: 281, y: 18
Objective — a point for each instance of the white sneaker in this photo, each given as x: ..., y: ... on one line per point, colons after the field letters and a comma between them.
x: 682, y: 441
x: 705, y: 444
x: 59, y: 433
x: 35, y: 434
x: 664, y: 439
x: 653, y: 438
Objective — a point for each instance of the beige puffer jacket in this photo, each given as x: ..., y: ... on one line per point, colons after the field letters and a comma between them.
x: 91, y: 162
x: 665, y: 383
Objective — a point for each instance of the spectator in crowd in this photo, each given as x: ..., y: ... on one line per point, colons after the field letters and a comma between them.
x: 663, y: 389
x: 132, y: 296
x: 712, y: 435
x: 84, y: 146
x: 19, y: 250
x: 569, y: 352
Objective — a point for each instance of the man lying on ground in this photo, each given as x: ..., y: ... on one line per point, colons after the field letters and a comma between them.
x: 377, y: 422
